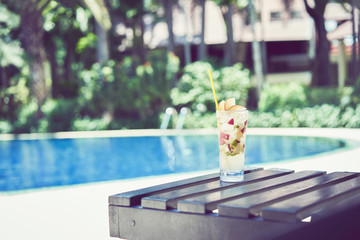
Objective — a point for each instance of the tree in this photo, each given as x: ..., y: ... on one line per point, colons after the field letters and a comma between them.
x: 31, y: 38
x: 168, y: 6
x: 227, y: 7
x: 357, y: 4
x: 102, y: 26
x: 202, y: 47
x: 131, y: 14
x: 321, y: 71
x: 230, y: 49
x: 350, y: 6
x: 256, y: 51
x: 355, y: 58
x: 68, y: 30
x: 186, y: 8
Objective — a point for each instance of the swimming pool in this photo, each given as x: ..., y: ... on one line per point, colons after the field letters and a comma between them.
x: 38, y: 163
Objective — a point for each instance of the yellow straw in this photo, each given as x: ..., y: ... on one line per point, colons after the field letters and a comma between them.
x: 213, y: 89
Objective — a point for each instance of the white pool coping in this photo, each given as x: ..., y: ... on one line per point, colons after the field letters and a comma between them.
x: 108, y: 133
x: 80, y: 212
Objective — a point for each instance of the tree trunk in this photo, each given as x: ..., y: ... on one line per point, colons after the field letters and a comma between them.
x: 31, y: 37
x: 141, y: 30
x: 139, y: 40
x: 202, y: 47
x: 67, y: 62
x: 358, y: 36
x: 229, y: 47
x: 256, y: 52
x: 102, y: 43
x: 230, y: 35
x: 354, y: 69
x: 169, y: 21
x: 321, y: 73
x: 4, y: 82
x: 322, y: 62
x: 51, y: 55
x: 187, y: 46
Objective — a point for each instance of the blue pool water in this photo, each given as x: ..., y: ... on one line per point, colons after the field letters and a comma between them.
x: 28, y: 164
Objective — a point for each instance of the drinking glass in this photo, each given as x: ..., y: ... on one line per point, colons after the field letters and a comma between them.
x: 232, y: 127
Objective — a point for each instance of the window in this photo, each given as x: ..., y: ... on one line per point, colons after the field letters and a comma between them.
x: 295, y: 15
x: 275, y: 16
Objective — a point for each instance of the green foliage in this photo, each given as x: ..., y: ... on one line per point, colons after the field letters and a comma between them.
x: 128, y: 91
x: 207, y: 120
x: 5, y: 127
x: 88, y: 41
x: 12, y: 99
x: 328, y: 95
x: 296, y: 106
x: 293, y: 105
x: 282, y: 96
x: 321, y: 116
x: 285, y: 97
x: 194, y: 89
x: 26, y: 121
x: 89, y: 124
x: 318, y: 96
x: 355, y: 97
x: 60, y: 114
x: 70, y: 45
x: 10, y: 51
x: 9, y: 19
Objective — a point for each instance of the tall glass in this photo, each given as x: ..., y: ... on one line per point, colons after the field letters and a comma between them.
x: 232, y: 127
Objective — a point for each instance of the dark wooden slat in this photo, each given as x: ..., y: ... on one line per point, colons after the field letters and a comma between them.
x: 251, y: 205
x: 338, y: 207
x: 208, y: 202
x: 170, y: 198
x: 297, y: 208
x: 339, y: 221
x: 133, y: 198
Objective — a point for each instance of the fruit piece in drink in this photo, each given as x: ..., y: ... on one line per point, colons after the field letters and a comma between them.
x: 224, y: 136
x: 231, y: 121
x: 222, y: 105
x: 236, y: 108
x: 229, y: 103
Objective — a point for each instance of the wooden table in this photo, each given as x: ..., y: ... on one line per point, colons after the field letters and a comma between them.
x: 268, y: 204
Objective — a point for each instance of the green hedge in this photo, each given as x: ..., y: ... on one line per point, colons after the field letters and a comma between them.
x: 282, y: 97
x: 315, y: 117
x: 286, y: 97
x: 281, y: 105
x: 323, y: 116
